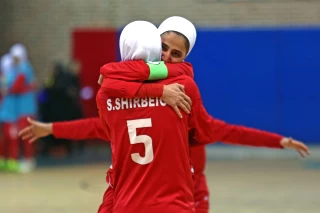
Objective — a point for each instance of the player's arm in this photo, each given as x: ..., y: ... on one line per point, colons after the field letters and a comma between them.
x: 206, y: 129
x: 20, y: 86
x: 123, y: 82
x: 124, y: 89
x: 81, y: 129
x: 89, y: 128
x: 141, y: 71
x: 172, y: 94
x: 117, y: 73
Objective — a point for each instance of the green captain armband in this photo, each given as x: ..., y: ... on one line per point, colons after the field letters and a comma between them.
x: 158, y: 70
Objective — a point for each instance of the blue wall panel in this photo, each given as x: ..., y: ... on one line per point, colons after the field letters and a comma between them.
x: 235, y: 71
x: 299, y: 63
x: 264, y: 78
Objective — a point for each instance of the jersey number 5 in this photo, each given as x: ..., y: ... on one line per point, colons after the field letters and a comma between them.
x: 133, y: 125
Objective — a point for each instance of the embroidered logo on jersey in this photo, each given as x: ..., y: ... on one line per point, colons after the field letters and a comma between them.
x: 128, y: 103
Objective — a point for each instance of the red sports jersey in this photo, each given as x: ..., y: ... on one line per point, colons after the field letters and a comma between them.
x: 140, y: 71
x: 150, y: 155
x: 124, y: 89
x: 150, y: 148
x: 81, y: 129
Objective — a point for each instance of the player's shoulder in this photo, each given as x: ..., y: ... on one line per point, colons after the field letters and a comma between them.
x: 189, y: 84
x: 190, y: 87
x: 129, y: 62
x: 184, y: 80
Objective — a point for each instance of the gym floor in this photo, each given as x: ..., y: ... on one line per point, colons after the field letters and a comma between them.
x: 242, y: 186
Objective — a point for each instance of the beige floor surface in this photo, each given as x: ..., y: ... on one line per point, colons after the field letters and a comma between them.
x: 247, y: 186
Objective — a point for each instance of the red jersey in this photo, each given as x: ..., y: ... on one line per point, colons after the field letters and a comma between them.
x: 150, y: 148
x: 119, y: 74
x: 141, y: 71
x: 81, y: 129
x: 150, y: 154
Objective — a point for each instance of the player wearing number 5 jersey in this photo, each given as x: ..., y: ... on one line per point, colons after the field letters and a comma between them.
x: 150, y: 150
x: 150, y: 154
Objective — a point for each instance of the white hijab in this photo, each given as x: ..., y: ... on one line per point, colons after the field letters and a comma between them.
x: 181, y: 25
x: 140, y: 40
x: 6, y: 63
x: 19, y: 51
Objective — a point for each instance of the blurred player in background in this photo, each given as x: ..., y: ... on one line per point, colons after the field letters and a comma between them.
x: 26, y: 100
x: 18, y: 103
x: 6, y: 64
x: 9, y: 116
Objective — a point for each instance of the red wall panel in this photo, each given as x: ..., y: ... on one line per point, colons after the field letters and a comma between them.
x: 92, y: 48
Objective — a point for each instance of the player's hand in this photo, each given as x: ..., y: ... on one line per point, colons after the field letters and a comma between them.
x: 174, y: 95
x: 35, y: 130
x: 100, y: 80
x: 300, y: 147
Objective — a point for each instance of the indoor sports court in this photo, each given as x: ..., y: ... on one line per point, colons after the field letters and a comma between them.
x: 243, y: 186
x: 255, y: 62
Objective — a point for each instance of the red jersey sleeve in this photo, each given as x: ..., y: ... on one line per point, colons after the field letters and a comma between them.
x: 120, y: 88
x: 177, y: 69
x: 126, y: 70
x: 122, y: 78
x: 141, y: 71
x: 150, y: 90
x: 82, y: 129
x: 206, y: 129
x: 125, y: 89
x: 19, y: 86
